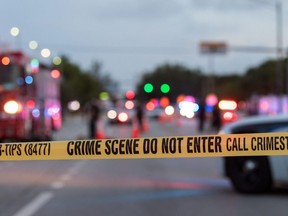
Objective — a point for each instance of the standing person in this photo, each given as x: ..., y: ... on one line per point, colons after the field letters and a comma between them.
x: 202, y: 116
x: 93, y: 119
x: 216, y: 118
x: 140, y: 115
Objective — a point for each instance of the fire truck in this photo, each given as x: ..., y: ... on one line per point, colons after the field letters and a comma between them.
x: 30, y: 107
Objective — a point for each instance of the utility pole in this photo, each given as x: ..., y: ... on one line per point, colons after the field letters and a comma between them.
x: 279, y: 53
x: 211, y: 48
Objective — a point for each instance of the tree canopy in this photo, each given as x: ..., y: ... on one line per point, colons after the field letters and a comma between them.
x: 263, y: 79
x: 83, y: 85
x: 80, y: 85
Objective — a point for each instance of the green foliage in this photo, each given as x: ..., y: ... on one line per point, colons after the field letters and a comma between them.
x: 263, y: 79
x: 181, y: 80
x: 230, y: 87
x: 78, y: 84
x: 84, y: 85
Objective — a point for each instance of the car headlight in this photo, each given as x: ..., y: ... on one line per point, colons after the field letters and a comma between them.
x: 123, y: 117
x: 12, y: 107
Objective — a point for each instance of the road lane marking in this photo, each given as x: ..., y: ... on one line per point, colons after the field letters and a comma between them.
x: 57, y: 185
x: 32, y: 207
x: 67, y: 176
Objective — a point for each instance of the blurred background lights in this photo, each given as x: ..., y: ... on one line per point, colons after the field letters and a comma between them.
x: 53, y: 110
x: 14, y: 31
x: 33, y: 45
x: 148, y: 87
x: 188, y: 108
x: 55, y: 74
x: 130, y: 94
x: 228, y: 116
x: 150, y: 106
x: 45, y: 53
x: 164, y: 101
x: 211, y: 100
x: 34, y: 64
x: 180, y: 98
x: 35, y: 113
x: 57, y: 60
x: 74, y: 105
x: 5, y: 60
x: 165, y: 88
x: 30, y: 104
x: 123, y: 117
x: 104, y: 96
x: 28, y: 79
x: 129, y: 105
x: 189, y: 98
x: 111, y: 114
x: 12, y: 107
x: 169, y: 110
x: 187, y: 105
x: 227, y: 105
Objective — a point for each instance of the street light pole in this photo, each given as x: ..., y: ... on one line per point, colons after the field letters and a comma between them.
x: 279, y: 53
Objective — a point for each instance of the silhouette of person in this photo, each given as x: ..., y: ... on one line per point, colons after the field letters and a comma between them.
x: 216, y: 118
x: 140, y: 115
x: 202, y: 116
x: 94, y: 116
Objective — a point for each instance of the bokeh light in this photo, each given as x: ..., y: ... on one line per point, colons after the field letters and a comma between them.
x: 164, y: 101
x: 111, y: 114
x: 165, y: 88
x: 130, y: 94
x: 46, y: 53
x: 104, y: 96
x: 74, y: 105
x: 33, y: 45
x: 55, y: 74
x: 129, y: 105
x: 34, y: 64
x: 5, y: 60
x: 150, y: 106
x: 211, y: 100
x: 169, y: 110
x: 28, y: 79
x: 14, y: 31
x: 57, y: 60
x: 227, y: 105
x: 148, y: 87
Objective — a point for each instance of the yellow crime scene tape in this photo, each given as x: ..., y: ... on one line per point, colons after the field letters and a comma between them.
x: 151, y: 147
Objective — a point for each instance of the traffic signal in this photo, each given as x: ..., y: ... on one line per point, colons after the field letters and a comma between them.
x: 148, y: 87
x: 165, y: 88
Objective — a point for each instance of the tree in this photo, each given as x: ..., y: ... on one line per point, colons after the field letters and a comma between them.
x: 78, y: 84
x: 230, y: 86
x: 180, y: 79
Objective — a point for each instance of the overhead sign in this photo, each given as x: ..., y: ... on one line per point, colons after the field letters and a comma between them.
x: 210, y: 47
x: 152, y: 147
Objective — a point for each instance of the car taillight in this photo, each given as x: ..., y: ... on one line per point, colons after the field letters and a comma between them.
x: 229, y: 116
x: 12, y: 107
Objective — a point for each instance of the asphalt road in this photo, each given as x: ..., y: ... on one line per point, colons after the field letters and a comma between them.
x: 128, y: 187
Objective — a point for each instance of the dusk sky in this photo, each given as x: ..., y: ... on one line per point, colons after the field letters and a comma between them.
x: 131, y: 37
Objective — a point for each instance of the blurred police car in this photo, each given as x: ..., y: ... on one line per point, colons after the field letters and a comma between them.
x: 255, y: 174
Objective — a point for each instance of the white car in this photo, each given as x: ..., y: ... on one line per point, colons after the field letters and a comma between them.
x: 259, y: 173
